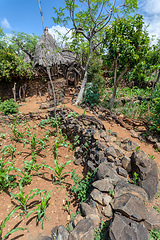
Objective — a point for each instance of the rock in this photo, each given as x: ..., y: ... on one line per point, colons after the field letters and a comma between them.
x: 96, y: 195
x: 78, y: 161
x: 153, y: 219
x: 83, y: 231
x: 103, y: 185
x: 110, y: 151
x: 134, y: 134
x: 101, y: 145
x: 118, y: 162
x: 106, y: 199
x: 122, y: 172
x: 123, y: 228
x: 131, y: 206
x: 151, y: 139
x: 126, y: 163
x: 107, y: 211
x: 147, y: 171
x: 105, y: 171
x: 110, y: 159
x: 131, y: 146
x: 95, y: 218
x: 107, y: 138
x: 99, y: 155
x: 157, y: 146
x: 114, y: 134
x: 87, y: 209
x: 59, y: 233
x: 91, y: 166
x: 103, y: 134
x: 96, y: 135
x: 125, y: 140
x: 123, y: 188
x: 77, y: 219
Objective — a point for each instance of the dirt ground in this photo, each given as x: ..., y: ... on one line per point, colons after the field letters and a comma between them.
x: 56, y: 215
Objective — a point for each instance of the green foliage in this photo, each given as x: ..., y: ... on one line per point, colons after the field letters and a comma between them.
x: 81, y: 187
x: 135, y: 179
x: 36, y: 145
x: 41, y: 208
x: 2, y: 135
x: 6, y: 179
x: 154, y: 234
x: 96, y: 83
x: 155, y: 114
x: 9, y: 150
x: 8, y: 107
x: 17, y: 136
x: 100, y: 232
x: 59, y: 169
x: 23, y: 200
x: 2, y: 226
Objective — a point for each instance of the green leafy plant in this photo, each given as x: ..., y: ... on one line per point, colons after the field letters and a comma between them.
x: 81, y: 187
x: 23, y: 200
x: 151, y: 156
x: 9, y: 150
x: 36, y: 145
x: 8, y: 107
x: 2, y: 226
x: 59, y: 169
x: 137, y: 148
x: 135, y: 179
x: 2, y: 135
x: 41, y: 208
x: 154, y: 234
x: 17, y: 136
x: 76, y: 140
x: 6, y: 179
x: 100, y: 232
x: 157, y: 209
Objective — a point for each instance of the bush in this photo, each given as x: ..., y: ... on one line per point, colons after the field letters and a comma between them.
x: 155, y: 115
x: 96, y: 83
x: 8, y: 107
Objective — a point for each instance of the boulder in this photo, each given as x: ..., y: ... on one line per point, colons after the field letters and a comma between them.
x: 107, y: 211
x: 131, y: 206
x: 123, y: 228
x: 126, y: 163
x: 147, y: 171
x: 103, y: 185
x: 122, y: 172
x: 131, y: 146
x: 110, y: 151
x: 105, y: 171
x: 123, y: 188
x: 59, y: 233
x: 153, y: 219
x: 83, y: 231
x: 97, y: 195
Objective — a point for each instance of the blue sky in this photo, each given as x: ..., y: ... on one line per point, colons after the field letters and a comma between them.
x: 24, y: 16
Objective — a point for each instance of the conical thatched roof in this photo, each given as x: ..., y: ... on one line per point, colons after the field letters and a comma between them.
x: 68, y: 56
x: 47, y: 52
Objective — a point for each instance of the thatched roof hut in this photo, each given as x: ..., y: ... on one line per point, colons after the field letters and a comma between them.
x: 47, y: 51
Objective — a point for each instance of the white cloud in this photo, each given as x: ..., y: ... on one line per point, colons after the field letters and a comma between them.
x: 152, y: 6
x: 153, y: 28
x: 5, y: 24
x: 58, y: 32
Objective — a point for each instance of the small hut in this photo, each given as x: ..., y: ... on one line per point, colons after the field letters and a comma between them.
x: 62, y: 63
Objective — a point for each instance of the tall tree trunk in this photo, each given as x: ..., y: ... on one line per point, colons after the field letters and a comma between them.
x: 114, y: 86
x: 80, y: 95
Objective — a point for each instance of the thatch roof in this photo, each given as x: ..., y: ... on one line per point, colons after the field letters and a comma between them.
x: 48, y: 53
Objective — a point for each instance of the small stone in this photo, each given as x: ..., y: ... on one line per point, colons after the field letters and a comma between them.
x: 122, y: 172
x: 77, y: 219
x: 126, y: 163
x: 151, y: 139
x: 107, y: 211
x: 110, y: 159
x: 114, y: 134
x: 125, y: 140
x: 106, y: 199
x: 110, y: 151
x: 68, y: 217
x: 157, y: 146
x: 134, y: 134
x: 96, y: 195
x: 103, y: 185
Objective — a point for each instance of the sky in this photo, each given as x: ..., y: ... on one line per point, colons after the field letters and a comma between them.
x: 24, y: 16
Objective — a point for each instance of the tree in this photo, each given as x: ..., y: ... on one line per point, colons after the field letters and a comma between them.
x: 90, y: 21
x: 127, y: 43
x: 24, y: 43
x: 11, y: 65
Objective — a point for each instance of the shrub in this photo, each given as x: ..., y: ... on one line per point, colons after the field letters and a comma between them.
x: 8, y: 107
x: 155, y: 115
